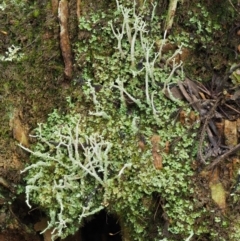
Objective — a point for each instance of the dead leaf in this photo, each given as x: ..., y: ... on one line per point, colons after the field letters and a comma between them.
x: 193, y: 117
x: 184, y: 55
x: 202, y: 95
x: 157, y: 161
x: 20, y: 132
x: 230, y: 133
x: 238, y: 126
x: 157, y: 158
x: 175, y: 93
x: 182, y: 117
x: 40, y: 226
x: 155, y: 141
x: 188, y: 118
x: 47, y: 235
x: 141, y: 145
x: 167, y: 147
x: 214, y: 176
x: 218, y: 195
x: 165, y: 47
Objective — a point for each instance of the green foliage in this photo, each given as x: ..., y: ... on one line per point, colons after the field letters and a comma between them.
x: 56, y: 180
x: 89, y: 158
x: 199, y: 28
x: 3, y: 6
x: 235, y: 76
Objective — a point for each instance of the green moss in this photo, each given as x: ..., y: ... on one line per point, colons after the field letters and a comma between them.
x: 88, y: 158
x: 203, y: 31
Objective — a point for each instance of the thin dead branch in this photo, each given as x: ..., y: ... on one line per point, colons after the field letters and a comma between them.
x: 63, y: 15
x: 78, y: 9
x: 222, y: 157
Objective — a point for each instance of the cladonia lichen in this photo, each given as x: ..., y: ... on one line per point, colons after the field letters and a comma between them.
x: 12, y: 54
x: 100, y: 155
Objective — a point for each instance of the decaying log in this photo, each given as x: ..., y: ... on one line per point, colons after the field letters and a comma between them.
x: 63, y: 14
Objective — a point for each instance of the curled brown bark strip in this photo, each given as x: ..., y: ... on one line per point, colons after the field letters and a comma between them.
x: 63, y: 14
x: 78, y: 9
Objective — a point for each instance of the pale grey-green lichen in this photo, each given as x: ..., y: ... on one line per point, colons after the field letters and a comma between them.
x: 89, y: 158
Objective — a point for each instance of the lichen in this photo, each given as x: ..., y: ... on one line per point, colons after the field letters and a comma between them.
x: 100, y: 154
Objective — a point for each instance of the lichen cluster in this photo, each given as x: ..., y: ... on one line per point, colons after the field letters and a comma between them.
x: 101, y: 155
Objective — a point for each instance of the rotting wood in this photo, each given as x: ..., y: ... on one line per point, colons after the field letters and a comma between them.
x: 63, y: 15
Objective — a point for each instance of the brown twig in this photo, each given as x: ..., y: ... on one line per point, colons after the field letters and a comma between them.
x: 63, y: 15
x: 222, y: 157
x: 230, y: 107
x: 78, y: 9
x: 192, y: 101
x: 204, y: 129
x: 233, y: 6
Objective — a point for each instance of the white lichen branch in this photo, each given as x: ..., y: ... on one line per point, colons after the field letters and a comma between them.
x: 119, y: 36
x: 122, y: 90
x: 175, y: 66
